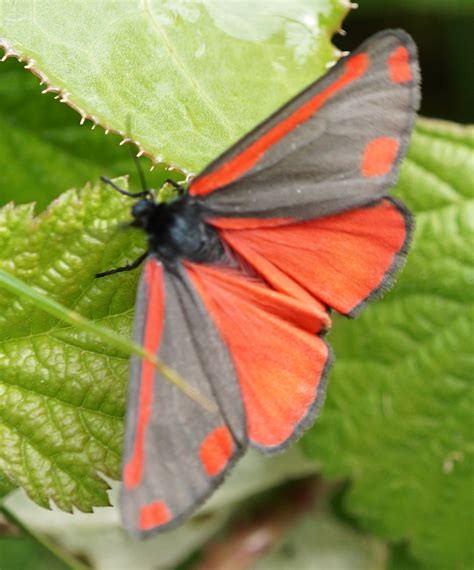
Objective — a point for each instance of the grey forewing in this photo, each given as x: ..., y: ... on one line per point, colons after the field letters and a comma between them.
x: 192, y: 347
x: 315, y: 170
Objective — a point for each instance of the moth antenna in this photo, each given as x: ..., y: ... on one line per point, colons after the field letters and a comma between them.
x: 139, y: 168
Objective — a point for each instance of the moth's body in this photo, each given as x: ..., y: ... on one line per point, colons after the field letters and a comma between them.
x: 178, y: 230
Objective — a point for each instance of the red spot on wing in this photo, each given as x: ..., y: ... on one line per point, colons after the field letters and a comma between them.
x: 270, y: 336
x: 355, y: 67
x: 216, y: 450
x: 133, y: 470
x: 153, y: 515
x: 339, y: 260
x: 399, y: 65
x: 379, y: 156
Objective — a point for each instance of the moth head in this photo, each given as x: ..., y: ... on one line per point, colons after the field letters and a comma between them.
x: 142, y: 212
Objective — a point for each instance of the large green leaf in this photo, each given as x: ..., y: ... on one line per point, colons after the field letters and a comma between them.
x: 398, y: 419
x: 61, y: 392
x: 191, y: 77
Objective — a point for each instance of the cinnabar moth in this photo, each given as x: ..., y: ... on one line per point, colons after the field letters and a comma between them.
x: 241, y: 272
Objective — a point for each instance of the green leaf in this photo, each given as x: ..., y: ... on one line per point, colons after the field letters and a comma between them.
x: 398, y: 419
x: 192, y: 76
x: 44, y: 151
x: 6, y: 486
x: 23, y: 552
x: 61, y: 391
x: 400, y: 559
x: 29, y: 550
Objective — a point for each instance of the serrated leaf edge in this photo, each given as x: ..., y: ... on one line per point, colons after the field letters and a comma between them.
x: 65, y: 97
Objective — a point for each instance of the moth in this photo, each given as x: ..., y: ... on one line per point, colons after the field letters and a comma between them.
x: 243, y: 268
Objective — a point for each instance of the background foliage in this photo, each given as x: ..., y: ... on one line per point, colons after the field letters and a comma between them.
x: 398, y: 421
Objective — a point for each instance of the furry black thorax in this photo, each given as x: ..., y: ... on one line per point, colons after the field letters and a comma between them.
x: 178, y: 230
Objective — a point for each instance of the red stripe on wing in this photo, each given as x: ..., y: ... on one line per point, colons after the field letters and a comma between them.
x: 355, y: 67
x: 271, y: 338
x: 133, y: 470
x: 340, y: 260
x: 248, y: 223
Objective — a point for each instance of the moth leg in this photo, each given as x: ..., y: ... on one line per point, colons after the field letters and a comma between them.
x: 129, y: 267
x: 175, y: 184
